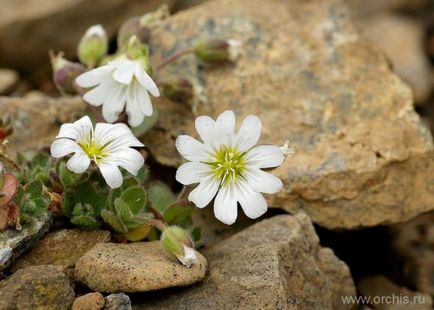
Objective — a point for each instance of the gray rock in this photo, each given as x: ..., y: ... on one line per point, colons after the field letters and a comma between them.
x: 40, y: 287
x: 274, y: 264
x: 14, y: 243
x: 118, y: 301
x: 312, y: 79
x: 134, y: 267
x: 57, y: 25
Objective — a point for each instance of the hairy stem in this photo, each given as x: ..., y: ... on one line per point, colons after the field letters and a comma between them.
x: 173, y: 58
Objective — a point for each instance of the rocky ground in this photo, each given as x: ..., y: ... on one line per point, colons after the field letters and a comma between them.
x: 349, y: 82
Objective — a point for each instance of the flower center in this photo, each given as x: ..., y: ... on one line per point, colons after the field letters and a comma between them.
x: 93, y: 150
x: 228, y: 164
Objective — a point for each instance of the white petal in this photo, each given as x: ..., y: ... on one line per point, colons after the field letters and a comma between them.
x: 205, y: 128
x: 225, y: 205
x: 127, y: 158
x: 136, y: 96
x: 112, y: 175
x: 202, y: 195
x: 253, y: 203
x: 124, y: 71
x: 249, y: 133
x: 146, y: 81
x: 191, y: 149
x: 115, y: 102
x: 192, y: 172
x: 264, y: 182
x: 63, y: 147
x: 79, y: 162
x: 117, y: 135
x: 225, y: 128
x: 265, y: 156
x: 97, y: 95
x: 93, y: 77
x: 79, y: 129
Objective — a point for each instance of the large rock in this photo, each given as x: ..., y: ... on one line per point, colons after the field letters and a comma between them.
x: 29, y: 28
x: 275, y: 264
x: 14, y: 243
x: 37, y: 119
x: 134, y: 267
x: 62, y: 248
x: 40, y: 287
x: 363, y: 159
x: 402, y: 39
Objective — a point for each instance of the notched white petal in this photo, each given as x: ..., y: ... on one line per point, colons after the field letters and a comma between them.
x: 191, y: 149
x: 202, y: 195
x: 265, y: 156
x: 225, y: 205
x: 249, y: 133
x: 192, y: 172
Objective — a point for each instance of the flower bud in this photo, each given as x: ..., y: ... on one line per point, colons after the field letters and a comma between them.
x: 65, y: 73
x: 177, y: 243
x: 133, y: 27
x: 218, y: 51
x: 93, y: 46
x: 179, y: 90
x: 136, y: 50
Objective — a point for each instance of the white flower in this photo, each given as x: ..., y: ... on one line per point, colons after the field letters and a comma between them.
x: 227, y: 166
x: 118, y: 84
x: 108, y: 145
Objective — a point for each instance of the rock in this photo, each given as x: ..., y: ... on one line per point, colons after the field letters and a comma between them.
x: 8, y: 80
x: 37, y: 119
x: 118, y: 301
x: 38, y: 287
x: 91, y: 301
x: 14, y: 243
x: 63, y: 247
x: 414, y: 245
x: 363, y: 8
x: 134, y: 267
x: 274, y: 264
x: 364, y: 158
x: 57, y: 25
x: 402, y: 40
x: 393, y: 297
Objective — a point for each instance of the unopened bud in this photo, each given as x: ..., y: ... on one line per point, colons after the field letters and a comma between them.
x: 93, y: 46
x: 177, y: 243
x: 133, y: 27
x: 136, y: 50
x: 179, y: 90
x: 218, y: 51
x: 64, y: 74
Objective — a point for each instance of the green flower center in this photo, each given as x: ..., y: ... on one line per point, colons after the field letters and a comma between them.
x: 93, y: 150
x: 228, y: 164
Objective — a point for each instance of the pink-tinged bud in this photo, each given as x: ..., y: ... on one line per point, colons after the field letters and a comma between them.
x: 218, y: 51
x: 64, y: 74
x: 177, y: 243
x: 93, y: 46
x: 178, y: 89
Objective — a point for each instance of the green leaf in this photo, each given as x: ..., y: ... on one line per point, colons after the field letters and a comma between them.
x: 196, y: 234
x: 147, y: 124
x: 67, y: 177
x: 135, y: 198
x: 160, y: 196
x: 111, y: 219
x: 85, y: 222
x: 178, y: 215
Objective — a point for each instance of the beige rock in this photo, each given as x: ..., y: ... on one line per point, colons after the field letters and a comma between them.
x: 134, y: 267
x: 414, y: 245
x: 402, y: 40
x: 29, y: 28
x: 8, y: 79
x: 363, y: 7
x: 384, y: 294
x: 364, y: 157
x: 37, y: 287
x: 274, y: 264
x: 37, y: 119
x: 91, y: 301
x: 62, y: 248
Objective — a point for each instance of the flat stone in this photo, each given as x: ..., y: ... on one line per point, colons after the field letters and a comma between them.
x: 91, y: 301
x: 408, y: 57
x: 386, y: 295
x: 57, y: 25
x: 38, y: 287
x: 8, y: 79
x: 63, y: 247
x: 134, y: 267
x: 274, y: 264
x: 118, y: 301
x: 413, y: 242
x: 364, y: 157
x: 14, y: 243
x: 37, y: 119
